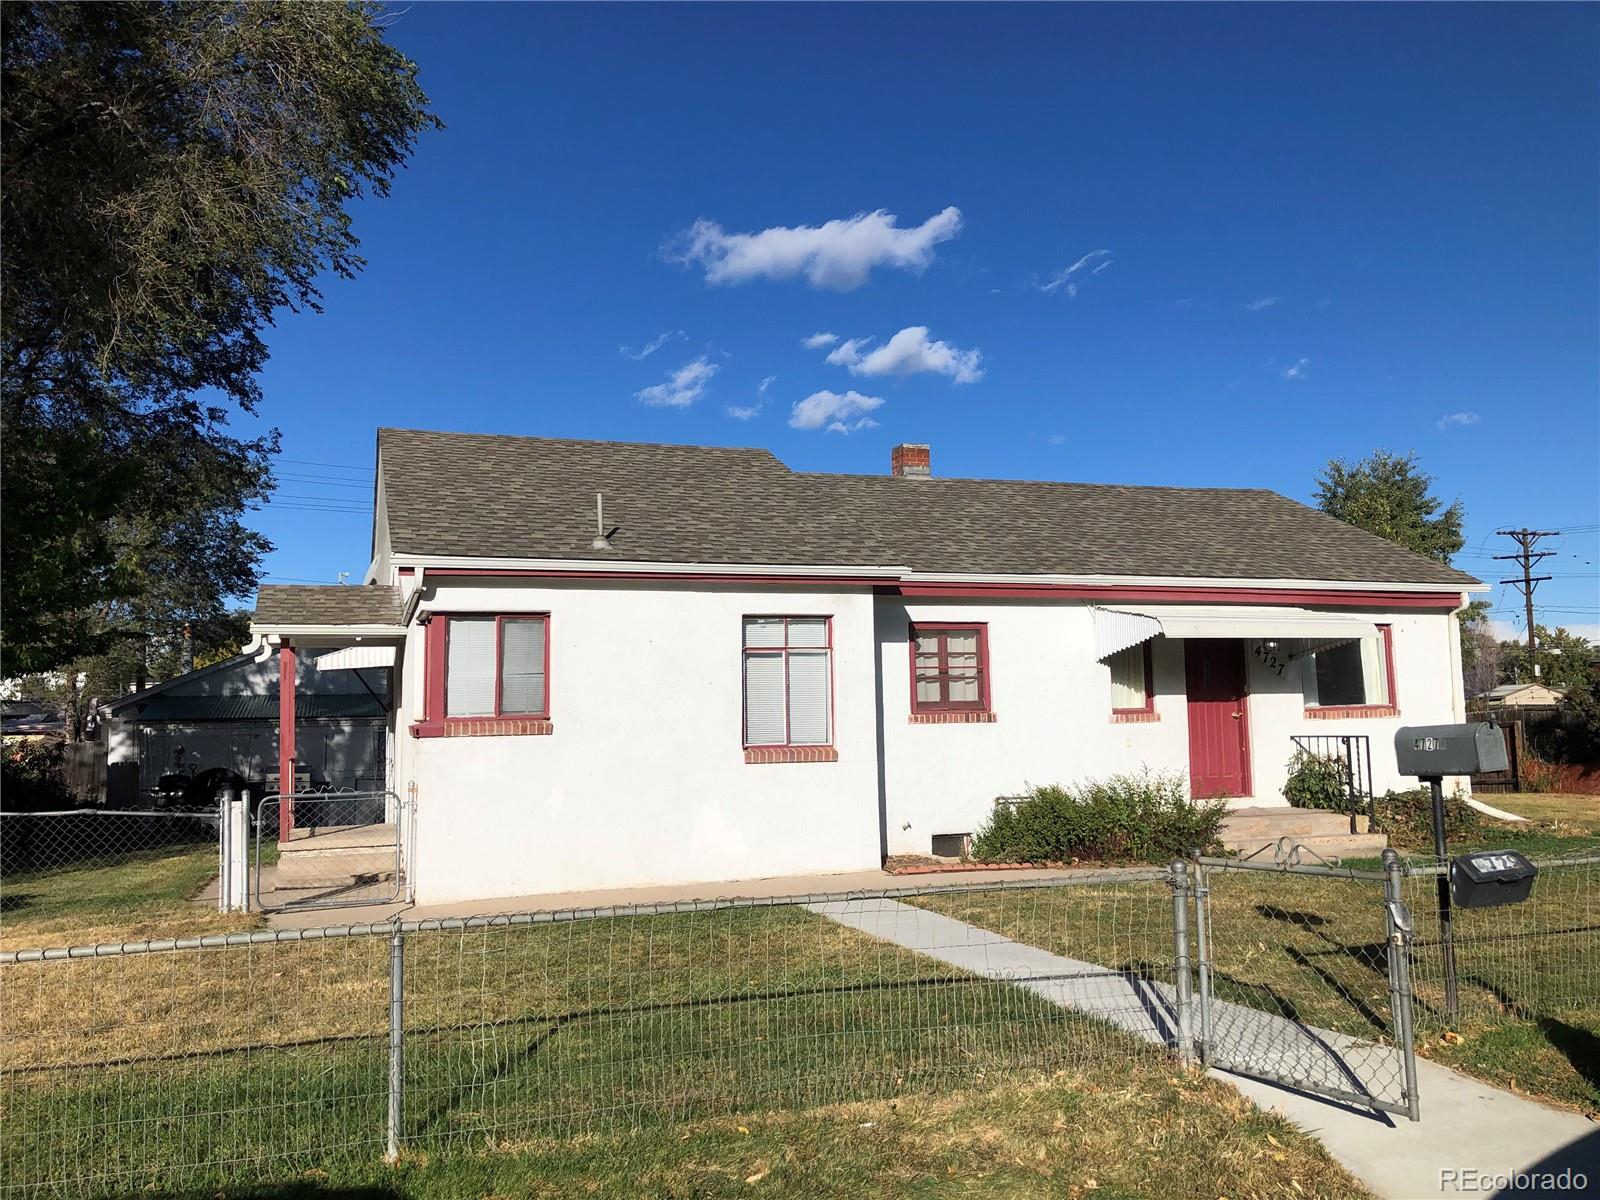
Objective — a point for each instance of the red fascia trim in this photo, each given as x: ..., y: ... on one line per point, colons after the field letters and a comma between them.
x: 1326, y: 598
x: 1146, y: 711
x: 406, y: 570
x: 982, y: 630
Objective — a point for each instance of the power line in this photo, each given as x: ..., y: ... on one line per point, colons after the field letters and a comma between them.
x: 301, y: 462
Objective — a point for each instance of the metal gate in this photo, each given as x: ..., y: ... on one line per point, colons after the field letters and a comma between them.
x: 329, y: 850
x: 1303, y: 978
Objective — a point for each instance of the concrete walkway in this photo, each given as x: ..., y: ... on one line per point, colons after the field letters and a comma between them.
x: 1467, y: 1126
x: 764, y: 887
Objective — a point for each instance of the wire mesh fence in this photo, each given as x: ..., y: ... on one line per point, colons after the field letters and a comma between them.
x: 1537, y: 959
x: 263, y: 1054
x: 89, y: 861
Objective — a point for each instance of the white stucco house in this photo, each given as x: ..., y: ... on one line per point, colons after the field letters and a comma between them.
x: 750, y: 671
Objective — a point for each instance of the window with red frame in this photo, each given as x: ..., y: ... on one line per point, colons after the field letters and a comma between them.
x: 949, y: 668
x: 1355, y: 675
x: 788, y: 681
x: 1132, y: 689
x: 497, y: 666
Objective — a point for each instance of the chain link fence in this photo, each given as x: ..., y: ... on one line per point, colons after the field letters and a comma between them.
x: 74, y: 859
x: 204, y: 1062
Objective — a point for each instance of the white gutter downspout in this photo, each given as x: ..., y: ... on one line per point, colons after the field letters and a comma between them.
x: 1458, y: 709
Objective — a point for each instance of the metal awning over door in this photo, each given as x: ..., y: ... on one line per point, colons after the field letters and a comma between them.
x: 1116, y: 629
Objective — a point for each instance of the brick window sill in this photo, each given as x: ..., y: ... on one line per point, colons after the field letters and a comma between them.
x: 484, y: 727
x: 1334, y: 712
x: 954, y: 717
x: 1134, y: 716
x: 790, y: 754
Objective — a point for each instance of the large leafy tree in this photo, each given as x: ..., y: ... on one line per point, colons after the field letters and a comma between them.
x: 1390, y: 495
x: 174, y: 174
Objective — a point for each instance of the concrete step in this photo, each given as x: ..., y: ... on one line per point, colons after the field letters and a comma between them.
x: 1283, y: 821
x: 1331, y: 846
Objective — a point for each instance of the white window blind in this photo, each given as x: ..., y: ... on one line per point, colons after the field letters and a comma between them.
x: 469, y: 679
x: 961, y: 659
x: 927, y: 669
x: 522, y: 666
x: 764, y: 723
x: 808, y: 698
x: 1127, y: 678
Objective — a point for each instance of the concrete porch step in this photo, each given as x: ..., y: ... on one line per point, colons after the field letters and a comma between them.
x: 336, y: 854
x: 1331, y: 846
x: 1247, y: 831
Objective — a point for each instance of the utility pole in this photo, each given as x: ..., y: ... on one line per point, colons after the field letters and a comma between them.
x: 1526, y: 557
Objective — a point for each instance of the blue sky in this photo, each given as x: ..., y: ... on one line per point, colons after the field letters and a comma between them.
x: 1174, y: 244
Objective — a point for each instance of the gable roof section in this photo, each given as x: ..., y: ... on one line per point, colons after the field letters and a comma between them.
x: 488, y: 496
x: 332, y: 604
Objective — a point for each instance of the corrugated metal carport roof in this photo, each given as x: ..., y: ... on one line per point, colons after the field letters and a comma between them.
x: 252, y: 708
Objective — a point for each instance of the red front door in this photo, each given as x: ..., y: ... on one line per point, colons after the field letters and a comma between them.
x: 1219, y: 723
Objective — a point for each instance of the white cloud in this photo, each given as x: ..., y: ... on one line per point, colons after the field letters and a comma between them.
x: 652, y: 345
x: 838, y: 255
x: 909, y: 352
x: 1184, y: 304
x: 1261, y: 302
x: 818, y: 340
x: 683, y: 387
x: 1056, y: 439
x: 1458, y: 418
x: 834, y: 411
x: 744, y: 412
x: 1298, y: 370
x: 1068, y: 278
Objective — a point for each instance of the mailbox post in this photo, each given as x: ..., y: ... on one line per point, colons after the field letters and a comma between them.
x: 1430, y: 752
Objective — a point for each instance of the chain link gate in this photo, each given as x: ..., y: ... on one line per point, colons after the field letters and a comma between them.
x: 1303, y: 978
x: 329, y: 850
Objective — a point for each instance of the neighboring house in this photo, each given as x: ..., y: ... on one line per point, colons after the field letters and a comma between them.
x: 1523, y: 695
x: 30, y: 718
x: 182, y: 738
x: 748, y: 670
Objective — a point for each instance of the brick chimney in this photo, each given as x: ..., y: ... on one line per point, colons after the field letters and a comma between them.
x: 912, y: 460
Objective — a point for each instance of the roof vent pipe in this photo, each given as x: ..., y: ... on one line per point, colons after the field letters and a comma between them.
x: 602, y: 540
x: 911, y: 460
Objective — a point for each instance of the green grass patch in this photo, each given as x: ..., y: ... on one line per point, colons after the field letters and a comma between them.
x: 110, y: 896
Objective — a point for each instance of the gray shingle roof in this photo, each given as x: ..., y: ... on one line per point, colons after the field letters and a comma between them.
x: 296, y: 604
x: 514, y: 497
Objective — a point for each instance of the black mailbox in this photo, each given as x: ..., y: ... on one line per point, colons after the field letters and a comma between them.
x: 1429, y: 751
x: 1490, y: 878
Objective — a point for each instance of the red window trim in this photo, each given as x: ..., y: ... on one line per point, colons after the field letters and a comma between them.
x: 436, y: 666
x: 1390, y: 707
x: 1147, y: 710
x: 982, y: 704
x: 745, y: 651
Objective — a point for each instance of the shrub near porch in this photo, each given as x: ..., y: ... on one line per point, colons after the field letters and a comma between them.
x: 1143, y: 818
